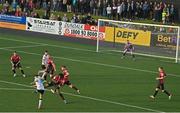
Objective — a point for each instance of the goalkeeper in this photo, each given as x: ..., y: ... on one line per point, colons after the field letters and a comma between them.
x: 128, y: 48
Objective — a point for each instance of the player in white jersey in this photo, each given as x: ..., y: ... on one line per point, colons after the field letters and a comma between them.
x: 44, y: 60
x: 38, y: 83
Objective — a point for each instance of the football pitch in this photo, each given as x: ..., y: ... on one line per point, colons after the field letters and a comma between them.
x: 107, y: 82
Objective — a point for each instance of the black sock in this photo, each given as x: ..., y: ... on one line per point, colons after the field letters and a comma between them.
x: 22, y: 71
x: 166, y: 92
x: 62, y: 97
x: 45, y: 77
x: 74, y: 88
x: 14, y: 71
x: 155, y: 93
x: 133, y: 56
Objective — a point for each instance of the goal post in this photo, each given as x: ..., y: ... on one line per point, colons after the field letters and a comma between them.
x: 149, y: 39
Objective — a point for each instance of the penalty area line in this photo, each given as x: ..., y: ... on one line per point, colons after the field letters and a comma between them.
x: 88, y: 97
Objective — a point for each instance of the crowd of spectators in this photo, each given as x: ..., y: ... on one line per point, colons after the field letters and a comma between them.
x: 83, y: 9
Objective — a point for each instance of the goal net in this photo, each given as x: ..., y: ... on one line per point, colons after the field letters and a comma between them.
x: 148, y: 39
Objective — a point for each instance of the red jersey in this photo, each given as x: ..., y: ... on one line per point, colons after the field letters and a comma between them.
x: 50, y: 62
x: 15, y: 58
x: 66, y: 75
x: 162, y: 75
x: 58, y: 79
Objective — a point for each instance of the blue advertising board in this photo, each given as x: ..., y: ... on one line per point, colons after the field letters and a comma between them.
x: 13, y: 19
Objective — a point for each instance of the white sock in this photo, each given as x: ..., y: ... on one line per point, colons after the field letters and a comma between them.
x: 40, y: 103
x: 65, y: 101
x: 44, y: 74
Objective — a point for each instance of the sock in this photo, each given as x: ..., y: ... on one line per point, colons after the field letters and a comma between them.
x: 155, y: 93
x: 133, y: 56
x: 22, y: 71
x: 44, y: 76
x: 74, y: 88
x: 62, y: 97
x: 166, y: 92
x: 14, y: 71
x: 65, y: 101
x: 40, y: 103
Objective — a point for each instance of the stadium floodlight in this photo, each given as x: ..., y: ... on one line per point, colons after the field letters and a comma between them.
x: 152, y: 40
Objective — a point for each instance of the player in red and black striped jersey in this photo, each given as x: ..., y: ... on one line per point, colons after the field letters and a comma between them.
x: 160, y: 85
x: 15, y: 61
x: 56, y: 82
x: 51, y: 67
x: 65, y: 79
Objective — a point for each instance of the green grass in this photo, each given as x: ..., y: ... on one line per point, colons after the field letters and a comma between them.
x: 98, y: 75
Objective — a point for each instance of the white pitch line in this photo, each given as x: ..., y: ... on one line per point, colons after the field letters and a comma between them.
x: 16, y: 89
x: 90, y: 98
x: 45, y: 44
x: 95, y: 63
x: 29, y: 46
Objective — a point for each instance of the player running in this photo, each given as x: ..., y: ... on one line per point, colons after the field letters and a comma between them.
x: 15, y: 61
x: 160, y: 85
x: 38, y: 83
x: 44, y: 60
x: 56, y: 82
x: 51, y: 67
x: 128, y: 48
x: 65, y: 79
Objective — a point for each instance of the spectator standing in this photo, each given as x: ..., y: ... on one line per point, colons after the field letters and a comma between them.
x: 151, y: 10
x: 104, y: 8
x: 64, y: 6
x: 145, y: 9
x: 95, y: 8
x: 172, y: 14
x: 119, y: 11
x: 14, y: 4
x: 164, y: 14
x: 100, y: 7
x: 114, y: 11
x: 109, y: 11
x: 75, y: 6
x: 54, y: 6
x: 91, y: 4
x: 133, y: 10
x: 44, y: 5
x: 69, y: 6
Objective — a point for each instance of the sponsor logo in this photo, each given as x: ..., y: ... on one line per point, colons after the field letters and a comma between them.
x: 74, y: 26
x: 167, y: 39
x: 126, y: 34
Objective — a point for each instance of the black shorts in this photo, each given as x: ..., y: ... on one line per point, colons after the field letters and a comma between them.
x: 41, y: 91
x: 43, y: 67
x: 51, y: 84
x: 160, y: 86
x: 50, y: 70
x: 67, y: 83
x: 15, y: 65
